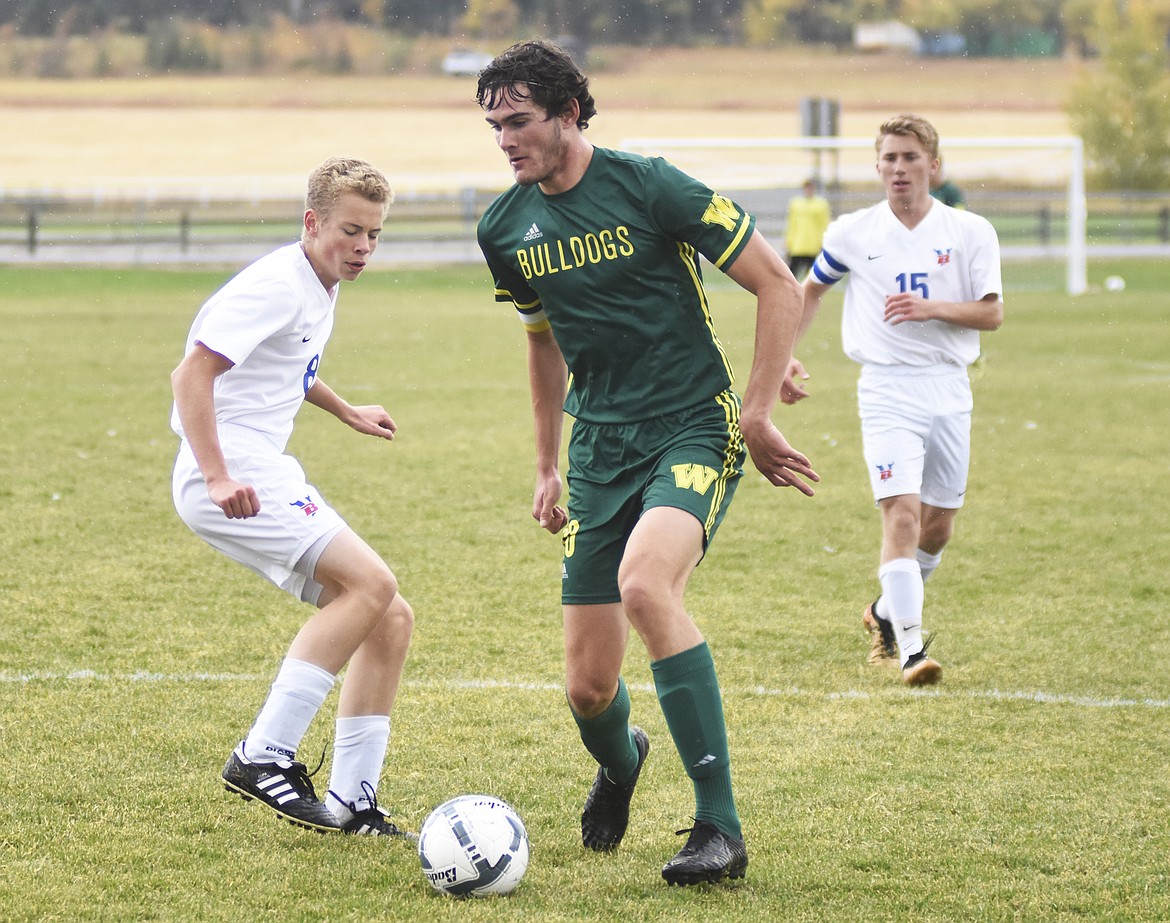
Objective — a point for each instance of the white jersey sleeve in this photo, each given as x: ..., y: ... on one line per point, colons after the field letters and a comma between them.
x: 951, y: 255
x: 272, y: 321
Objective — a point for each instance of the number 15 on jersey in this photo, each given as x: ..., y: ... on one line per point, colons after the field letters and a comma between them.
x: 914, y: 282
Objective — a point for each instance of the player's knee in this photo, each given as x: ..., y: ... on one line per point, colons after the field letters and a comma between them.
x: 400, y: 618
x: 640, y: 595
x: 587, y: 697
x: 935, y: 536
x: 901, y: 521
x: 378, y: 587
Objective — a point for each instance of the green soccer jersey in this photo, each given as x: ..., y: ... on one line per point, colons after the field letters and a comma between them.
x: 612, y: 265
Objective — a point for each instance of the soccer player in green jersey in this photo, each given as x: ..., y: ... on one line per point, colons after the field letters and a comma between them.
x: 598, y: 251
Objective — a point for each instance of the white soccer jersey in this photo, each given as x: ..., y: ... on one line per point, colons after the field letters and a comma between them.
x: 272, y: 321
x: 951, y: 255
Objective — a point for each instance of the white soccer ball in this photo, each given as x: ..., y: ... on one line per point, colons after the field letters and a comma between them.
x: 473, y: 844
x: 1115, y: 283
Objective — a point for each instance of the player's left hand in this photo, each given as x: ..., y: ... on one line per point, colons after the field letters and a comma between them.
x: 545, y: 509
x: 558, y: 518
x: 373, y: 420
x: 775, y: 459
x: 792, y: 390
x: 906, y: 306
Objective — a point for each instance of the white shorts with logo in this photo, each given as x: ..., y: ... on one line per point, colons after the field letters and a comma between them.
x: 294, y: 519
x: 916, y: 432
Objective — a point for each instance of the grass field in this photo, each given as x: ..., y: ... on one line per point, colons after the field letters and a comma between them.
x: 1030, y: 786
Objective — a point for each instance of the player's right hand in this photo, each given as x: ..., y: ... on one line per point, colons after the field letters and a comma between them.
x: 238, y: 501
x: 775, y: 459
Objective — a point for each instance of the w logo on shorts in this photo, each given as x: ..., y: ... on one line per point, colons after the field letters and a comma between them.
x: 307, y: 505
x: 698, y: 478
x: 887, y: 471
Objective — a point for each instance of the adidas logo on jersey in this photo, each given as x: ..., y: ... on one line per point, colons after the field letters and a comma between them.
x: 534, y: 233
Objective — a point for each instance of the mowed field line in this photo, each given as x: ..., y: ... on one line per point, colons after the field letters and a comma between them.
x: 1038, y: 697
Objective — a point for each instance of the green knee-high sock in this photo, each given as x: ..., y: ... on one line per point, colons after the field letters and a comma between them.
x: 689, y: 694
x: 608, y: 737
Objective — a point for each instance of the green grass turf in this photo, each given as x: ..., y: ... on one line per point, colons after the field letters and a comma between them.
x: 1029, y: 786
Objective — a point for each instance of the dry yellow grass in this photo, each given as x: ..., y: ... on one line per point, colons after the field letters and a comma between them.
x: 265, y: 133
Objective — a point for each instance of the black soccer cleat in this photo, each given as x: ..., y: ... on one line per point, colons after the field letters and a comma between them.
x: 371, y: 821
x: 709, y: 856
x: 883, y: 648
x: 283, y: 786
x: 607, y: 808
x: 921, y: 670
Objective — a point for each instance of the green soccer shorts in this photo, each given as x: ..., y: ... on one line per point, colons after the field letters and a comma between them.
x: 690, y: 460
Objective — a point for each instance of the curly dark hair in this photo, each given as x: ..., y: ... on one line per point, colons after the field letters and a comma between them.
x: 540, y: 71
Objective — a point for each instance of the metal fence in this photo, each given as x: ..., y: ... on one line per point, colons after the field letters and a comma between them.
x: 99, y: 229
x: 440, y: 228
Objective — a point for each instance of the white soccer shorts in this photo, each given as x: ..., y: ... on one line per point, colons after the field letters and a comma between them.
x: 293, y: 517
x: 916, y: 432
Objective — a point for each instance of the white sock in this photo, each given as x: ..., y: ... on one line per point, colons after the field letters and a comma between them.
x: 359, y: 750
x: 297, y: 694
x: 927, y: 563
x: 902, y: 597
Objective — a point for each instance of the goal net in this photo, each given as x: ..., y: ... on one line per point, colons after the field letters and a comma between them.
x: 1031, y: 189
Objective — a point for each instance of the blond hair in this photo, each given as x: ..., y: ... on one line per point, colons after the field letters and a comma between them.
x: 339, y: 175
x: 910, y: 125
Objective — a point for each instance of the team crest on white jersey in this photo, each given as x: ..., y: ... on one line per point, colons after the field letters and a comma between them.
x: 534, y: 233
x: 944, y: 256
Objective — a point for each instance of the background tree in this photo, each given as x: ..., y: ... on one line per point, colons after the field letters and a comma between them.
x: 1122, y: 109
x: 991, y: 27
x: 490, y: 19
x: 766, y: 22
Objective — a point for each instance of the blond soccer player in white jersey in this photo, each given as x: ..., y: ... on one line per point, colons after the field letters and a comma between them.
x: 252, y: 359
x: 924, y: 280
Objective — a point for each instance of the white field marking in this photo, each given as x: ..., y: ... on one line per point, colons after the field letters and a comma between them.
x: 794, y: 692
x: 1157, y: 373
x: 141, y: 676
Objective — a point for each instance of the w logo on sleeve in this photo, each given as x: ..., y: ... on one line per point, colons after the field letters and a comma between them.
x: 722, y: 211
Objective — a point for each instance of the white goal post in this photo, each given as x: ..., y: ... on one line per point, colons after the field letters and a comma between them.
x: 1056, y: 157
